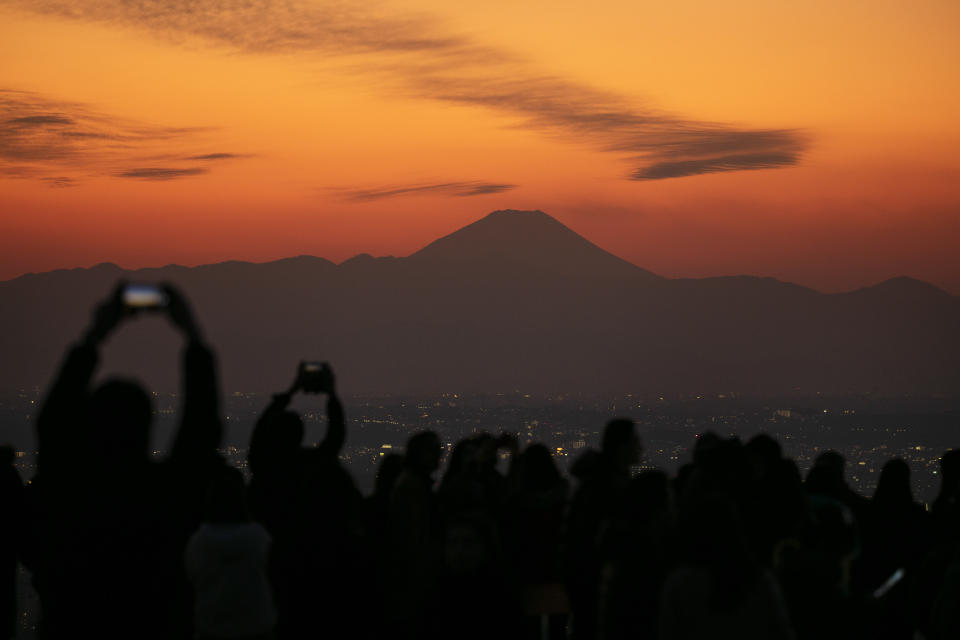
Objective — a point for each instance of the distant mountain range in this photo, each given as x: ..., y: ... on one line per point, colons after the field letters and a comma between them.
x: 514, y: 301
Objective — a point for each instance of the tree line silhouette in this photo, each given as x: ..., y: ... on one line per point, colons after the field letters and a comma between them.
x: 737, y: 545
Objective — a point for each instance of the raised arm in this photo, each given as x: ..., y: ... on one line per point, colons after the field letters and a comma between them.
x: 269, y: 439
x: 336, y: 426
x: 60, y: 424
x: 200, y: 428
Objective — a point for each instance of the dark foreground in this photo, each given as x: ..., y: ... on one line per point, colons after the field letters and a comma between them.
x: 736, y: 545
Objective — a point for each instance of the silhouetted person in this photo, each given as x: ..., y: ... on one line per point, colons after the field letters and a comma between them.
x: 377, y: 505
x: 311, y: 508
x: 603, y: 480
x: 775, y: 507
x: 944, y: 618
x: 781, y: 511
x: 109, y: 525
x: 895, y: 540
x: 719, y: 590
x: 815, y: 573
x: 764, y: 452
x: 934, y: 589
x: 637, y: 552
x: 531, y: 525
x: 12, y: 507
x: 826, y: 478
x: 226, y: 563
x: 377, y: 529
x: 897, y: 534
x: 472, y: 484
x: 946, y: 507
x: 472, y: 598
x: 721, y: 465
x: 415, y: 537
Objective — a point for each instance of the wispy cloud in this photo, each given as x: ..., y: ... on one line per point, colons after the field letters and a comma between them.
x: 425, y: 61
x: 40, y: 135
x: 161, y: 173
x: 274, y: 26
x: 33, y: 121
x: 483, y: 189
x: 59, y: 182
x: 681, y: 168
x: 216, y: 156
x: 660, y: 143
x: 456, y: 189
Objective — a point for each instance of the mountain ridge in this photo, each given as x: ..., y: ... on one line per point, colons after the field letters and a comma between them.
x: 580, y: 319
x: 429, y: 253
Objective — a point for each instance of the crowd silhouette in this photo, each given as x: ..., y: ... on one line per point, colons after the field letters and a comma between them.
x: 736, y: 545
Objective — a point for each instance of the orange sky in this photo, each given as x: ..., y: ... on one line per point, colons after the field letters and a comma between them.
x: 814, y: 143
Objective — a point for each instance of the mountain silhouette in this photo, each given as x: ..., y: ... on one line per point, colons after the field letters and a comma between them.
x: 530, y: 240
x: 514, y: 301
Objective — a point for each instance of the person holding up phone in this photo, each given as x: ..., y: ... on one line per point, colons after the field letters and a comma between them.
x: 279, y: 432
x: 311, y: 508
x: 108, y: 524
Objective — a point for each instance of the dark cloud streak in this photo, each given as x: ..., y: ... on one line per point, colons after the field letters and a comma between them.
x: 484, y: 189
x: 425, y: 62
x: 161, y: 173
x: 683, y: 168
x: 606, y: 122
x: 458, y: 189
x: 270, y: 26
x: 215, y: 156
x: 40, y: 135
x: 59, y: 182
x: 39, y: 120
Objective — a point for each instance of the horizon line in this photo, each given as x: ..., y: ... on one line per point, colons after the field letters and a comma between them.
x: 109, y: 263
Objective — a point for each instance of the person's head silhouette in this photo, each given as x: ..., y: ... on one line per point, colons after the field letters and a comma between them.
x: 538, y: 469
x: 621, y: 445
x: 121, y: 413
x: 423, y: 452
x: 950, y: 469
x: 894, y: 484
x: 391, y: 466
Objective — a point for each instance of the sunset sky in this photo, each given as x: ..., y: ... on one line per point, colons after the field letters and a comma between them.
x: 814, y: 141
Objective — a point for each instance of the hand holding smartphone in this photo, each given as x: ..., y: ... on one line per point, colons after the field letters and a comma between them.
x: 144, y: 297
x: 315, y: 377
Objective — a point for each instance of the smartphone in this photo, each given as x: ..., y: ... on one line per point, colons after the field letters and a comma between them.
x: 144, y: 297
x: 315, y: 377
